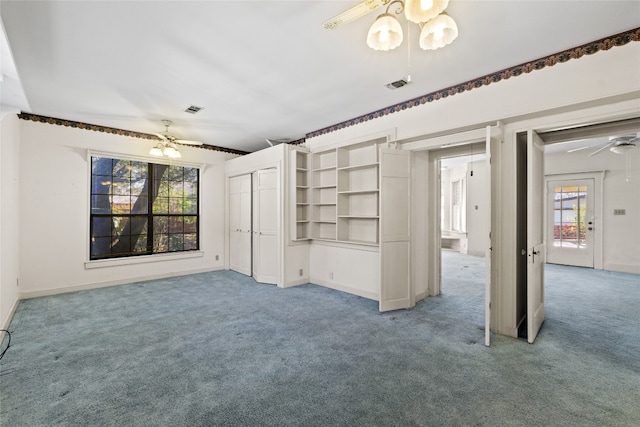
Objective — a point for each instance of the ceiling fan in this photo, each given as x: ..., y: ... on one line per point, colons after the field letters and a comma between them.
x: 617, y: 144
x: 167, y: 145
x: 168, y: 138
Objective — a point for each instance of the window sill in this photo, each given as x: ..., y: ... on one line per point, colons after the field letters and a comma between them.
x: 143, y: 259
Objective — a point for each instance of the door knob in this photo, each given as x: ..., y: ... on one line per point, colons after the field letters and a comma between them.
x: 523, y: 252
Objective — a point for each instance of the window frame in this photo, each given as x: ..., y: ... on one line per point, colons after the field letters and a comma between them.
x: 145, y: 257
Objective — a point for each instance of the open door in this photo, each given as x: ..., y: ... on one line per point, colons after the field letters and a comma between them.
x: 535, y: 235
x: 240, y: 224
x: 487, y: 256
x: 265, y: 226
x: 395, y: 287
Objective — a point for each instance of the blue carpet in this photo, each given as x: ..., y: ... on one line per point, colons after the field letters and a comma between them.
x: 218, y: 349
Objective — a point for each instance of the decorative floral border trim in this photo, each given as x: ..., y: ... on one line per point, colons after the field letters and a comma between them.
x: 606, y: 43
x: 114, y: 131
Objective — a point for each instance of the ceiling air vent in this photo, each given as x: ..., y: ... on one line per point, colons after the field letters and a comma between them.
x: 192, y: 109
x: 397, y: 84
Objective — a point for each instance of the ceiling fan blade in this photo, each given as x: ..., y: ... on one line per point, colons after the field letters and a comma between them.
x: 354, y: 13
x: 604, y: 147
x: 580, y: 149
x: 161, y: 136
x: 188, y: 142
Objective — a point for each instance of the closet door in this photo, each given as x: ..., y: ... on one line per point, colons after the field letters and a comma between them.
x: 240, y: 224
x: 265, y: 226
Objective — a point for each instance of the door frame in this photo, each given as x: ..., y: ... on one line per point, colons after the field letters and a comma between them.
x: 598, y: 208
x: 425, y: 210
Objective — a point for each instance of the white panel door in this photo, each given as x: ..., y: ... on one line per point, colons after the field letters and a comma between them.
x: 240, y: 224
x: 488, y: 251
x: 570, y: 222
x: 535, y: 235
x: 395, y: 286
x: 266, y: 264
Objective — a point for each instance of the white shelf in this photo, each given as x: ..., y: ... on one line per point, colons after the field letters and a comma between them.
x: 362, y: 166
x: 372, y: 191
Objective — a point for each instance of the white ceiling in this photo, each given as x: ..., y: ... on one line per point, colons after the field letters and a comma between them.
x: 264, y: 69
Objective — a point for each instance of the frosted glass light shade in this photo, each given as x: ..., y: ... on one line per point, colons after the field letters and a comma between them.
x: 438, y: 32
x: 422, y: 10
x: 169, y: 151
x: 156, y: 151
x: 385, y: 33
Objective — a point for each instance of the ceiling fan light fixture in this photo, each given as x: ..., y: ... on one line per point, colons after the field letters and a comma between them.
x: 385, y: 33
x: 438, y: 32
x: 423, y: 10
x: 622, y: 148
x: 156, y: 151
x: 171, y: 151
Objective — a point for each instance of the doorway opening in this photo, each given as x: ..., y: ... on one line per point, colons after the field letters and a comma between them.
x: 463, y: 213
x: 584, y: 181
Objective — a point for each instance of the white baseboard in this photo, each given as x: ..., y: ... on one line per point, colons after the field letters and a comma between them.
x: 297, y: 282
x: 7, y: 320
x: 422, y: 295
x: 97, y: 285
x: 623, y: 268
x: 345, y: 288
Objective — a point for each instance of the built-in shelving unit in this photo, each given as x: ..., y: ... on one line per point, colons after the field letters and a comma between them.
x: 302, y: 196
x: 337, y: 196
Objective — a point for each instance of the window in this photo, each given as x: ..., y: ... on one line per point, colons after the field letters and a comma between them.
x: 140, y: 208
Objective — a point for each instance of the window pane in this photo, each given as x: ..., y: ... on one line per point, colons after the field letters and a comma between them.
x: 175, y: 206
x: 161, y: 205
x: 140, y: 205
x: 160, y: 225
x: 190, y: 224
x: 176, y: 173
x: 176, y: 190
x: 100, y: 204
x: 101, y: 226
x: 101, y: 166
x: 160, y: 243
x: 121, y: 204
x: 176, y: 242
x: 176, y: 225
x: 190, y: 242
x: 190, y: 206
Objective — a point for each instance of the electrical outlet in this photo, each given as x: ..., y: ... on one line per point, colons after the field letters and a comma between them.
x: 301, y: 272
x: 331, y: 275
x: 217, y: 257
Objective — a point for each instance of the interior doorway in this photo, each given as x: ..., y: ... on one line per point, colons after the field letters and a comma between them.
x: 463, y: 232
x: 586, y: 173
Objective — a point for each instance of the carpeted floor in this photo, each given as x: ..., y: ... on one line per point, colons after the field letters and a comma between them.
x: 218, y: 349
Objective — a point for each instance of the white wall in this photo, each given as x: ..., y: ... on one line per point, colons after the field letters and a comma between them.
x: 54, y: 200
x: 9, y: 217
x: 621, y: 234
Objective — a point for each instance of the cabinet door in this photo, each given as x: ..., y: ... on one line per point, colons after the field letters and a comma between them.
x: 240, y: 224
x: 266, y: 264
x: 395, y: 287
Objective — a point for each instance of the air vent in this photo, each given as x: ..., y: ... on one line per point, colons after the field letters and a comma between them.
x: 192, y: 109
x: 397, y: 84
